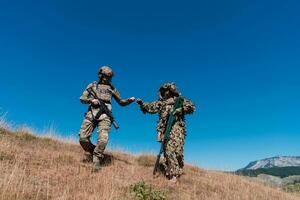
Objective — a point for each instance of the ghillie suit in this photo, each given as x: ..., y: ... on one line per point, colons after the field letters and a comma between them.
x: 174, y: 147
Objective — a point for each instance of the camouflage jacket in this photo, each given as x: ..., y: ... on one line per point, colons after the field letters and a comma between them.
x: 164, y: 107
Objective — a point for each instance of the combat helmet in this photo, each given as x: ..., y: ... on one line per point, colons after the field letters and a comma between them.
x: 106, y: 71
x: 169, y: 86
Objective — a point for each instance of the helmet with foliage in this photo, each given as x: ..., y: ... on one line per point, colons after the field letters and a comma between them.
x: 105, y: 71
x: 171, y: 87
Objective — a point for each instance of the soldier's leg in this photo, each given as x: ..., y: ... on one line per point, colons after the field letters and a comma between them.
x: 103, y: 136
x: 180, y: 156
x: 85, y: 132
x: 172, y: 165
x: 180, y: 148
x: 174, y: 153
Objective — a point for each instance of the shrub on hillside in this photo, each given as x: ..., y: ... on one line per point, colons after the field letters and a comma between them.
x: 292, y: 187
x: 143, y: 191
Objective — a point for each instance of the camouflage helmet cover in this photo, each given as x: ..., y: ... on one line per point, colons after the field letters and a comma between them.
x: 106, y: 71
x: 169, y: 86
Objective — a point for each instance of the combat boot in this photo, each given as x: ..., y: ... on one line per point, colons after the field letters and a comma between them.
x: 97, y: 165
x: 174, y: 180
x: 87, y: 158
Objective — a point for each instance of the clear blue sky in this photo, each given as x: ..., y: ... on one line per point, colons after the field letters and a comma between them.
x: 239, y: 61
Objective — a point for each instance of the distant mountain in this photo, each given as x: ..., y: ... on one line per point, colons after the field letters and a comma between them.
x: 281, y: 166
x: 279, y: 161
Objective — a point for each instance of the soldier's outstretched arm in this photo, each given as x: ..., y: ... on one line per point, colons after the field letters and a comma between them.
x: 151, y: 108
x: 120, y: 101
x: 85, y: 97
x: 188, y: 107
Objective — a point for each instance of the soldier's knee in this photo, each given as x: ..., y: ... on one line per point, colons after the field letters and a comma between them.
x: 102, y: 141
x: 83, y: 138
x: 103, y: 136
x: 105, y: 124
x: 103, y: 132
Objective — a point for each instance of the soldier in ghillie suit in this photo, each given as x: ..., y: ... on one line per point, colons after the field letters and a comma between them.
x: 99, y: 96
x: 173, y: 148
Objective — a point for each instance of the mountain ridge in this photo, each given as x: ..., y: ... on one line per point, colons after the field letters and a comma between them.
x: 277, y: 161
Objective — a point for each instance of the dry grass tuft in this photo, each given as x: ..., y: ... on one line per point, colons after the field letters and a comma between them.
x: 25, y: 136
x: 65, y: 159
x: 43, y: 168
x: 4, y: 124
x: 5, y: 156
x: 146, y: 160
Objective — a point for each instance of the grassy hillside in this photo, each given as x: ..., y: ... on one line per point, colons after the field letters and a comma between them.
x: 43, y: 168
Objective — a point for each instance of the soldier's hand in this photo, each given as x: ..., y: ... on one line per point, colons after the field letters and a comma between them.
x: 178, y: 111
x: 131, y: 99
x: 139, y: 101
x: 95, y: 102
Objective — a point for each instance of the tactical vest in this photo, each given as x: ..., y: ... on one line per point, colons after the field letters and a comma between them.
x: 104, y: 92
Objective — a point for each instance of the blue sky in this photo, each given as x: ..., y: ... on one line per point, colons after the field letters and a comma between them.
x: 239, y: 61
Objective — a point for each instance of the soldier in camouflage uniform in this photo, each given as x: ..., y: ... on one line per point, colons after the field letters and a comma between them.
x: 105, y: 91
x: 173, y: 149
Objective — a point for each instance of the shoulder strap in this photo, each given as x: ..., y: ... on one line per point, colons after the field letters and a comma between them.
x: 93, y: 84
x: 111, y: 86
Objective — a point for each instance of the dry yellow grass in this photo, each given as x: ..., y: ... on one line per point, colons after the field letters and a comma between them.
x: 35, y: 168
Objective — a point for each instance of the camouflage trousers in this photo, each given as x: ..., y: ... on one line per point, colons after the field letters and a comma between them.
x: 85, y: 133
x: 173, y: 154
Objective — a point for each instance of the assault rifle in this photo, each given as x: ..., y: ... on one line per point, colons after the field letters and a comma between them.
x: 103, y: 109
x: 170, y: 123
